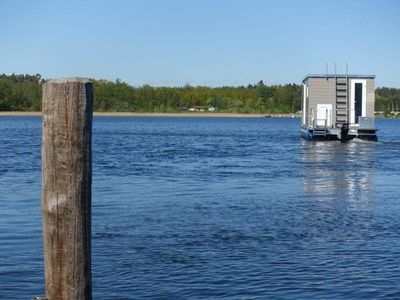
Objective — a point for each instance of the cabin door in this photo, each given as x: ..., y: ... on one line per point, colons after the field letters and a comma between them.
x: 358, y: 100
x: 324, y: 115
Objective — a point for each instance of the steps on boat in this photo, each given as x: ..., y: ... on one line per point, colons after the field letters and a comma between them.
x: 319, y: 132
x: 342, y: 115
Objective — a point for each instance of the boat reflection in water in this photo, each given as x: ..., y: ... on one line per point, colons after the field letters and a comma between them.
x: 339, y: 171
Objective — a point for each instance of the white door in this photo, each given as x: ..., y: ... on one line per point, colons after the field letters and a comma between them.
x: 324, y: 115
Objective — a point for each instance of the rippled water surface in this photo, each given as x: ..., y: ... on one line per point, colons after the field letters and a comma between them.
x: 193, y: 208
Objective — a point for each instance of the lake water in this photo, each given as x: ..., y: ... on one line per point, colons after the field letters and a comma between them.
x: 195, y: 208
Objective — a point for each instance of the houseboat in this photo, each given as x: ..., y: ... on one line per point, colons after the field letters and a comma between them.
x: 338, y: 107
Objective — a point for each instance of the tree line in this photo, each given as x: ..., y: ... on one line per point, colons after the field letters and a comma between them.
x: 24, y: 92
x: 387, y: 99
x: 20, y: 92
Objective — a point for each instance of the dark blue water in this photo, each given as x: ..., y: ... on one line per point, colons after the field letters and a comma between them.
x: 194, y: 208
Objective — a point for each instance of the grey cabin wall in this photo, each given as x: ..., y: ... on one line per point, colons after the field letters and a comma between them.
x: 321, y: 91
x: 370, y: 109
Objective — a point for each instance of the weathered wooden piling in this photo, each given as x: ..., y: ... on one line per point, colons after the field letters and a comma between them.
x: 66, y: 187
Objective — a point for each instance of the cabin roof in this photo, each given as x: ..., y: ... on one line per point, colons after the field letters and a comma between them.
x: 337, y: 76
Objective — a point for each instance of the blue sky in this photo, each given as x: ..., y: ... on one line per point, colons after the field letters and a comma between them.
x: 203, y: 42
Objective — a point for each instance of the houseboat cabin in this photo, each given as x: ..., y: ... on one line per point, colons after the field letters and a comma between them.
x: 338, y: 107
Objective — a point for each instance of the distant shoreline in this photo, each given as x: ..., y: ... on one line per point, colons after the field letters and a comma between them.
x: 183, y: 114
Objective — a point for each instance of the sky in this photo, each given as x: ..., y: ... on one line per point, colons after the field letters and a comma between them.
x: 201, y: 42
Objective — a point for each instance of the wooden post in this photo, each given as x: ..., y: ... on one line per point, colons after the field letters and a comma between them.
x: 66, y: 187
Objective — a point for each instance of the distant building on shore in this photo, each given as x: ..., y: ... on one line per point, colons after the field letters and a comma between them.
x: 197, y: 108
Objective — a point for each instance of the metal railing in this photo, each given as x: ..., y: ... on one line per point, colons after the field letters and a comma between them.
x: 322, y: 123
x: 366, y: 122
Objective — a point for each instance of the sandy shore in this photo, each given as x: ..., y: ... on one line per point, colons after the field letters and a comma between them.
x: 20, y: 113
x: 184, y: 114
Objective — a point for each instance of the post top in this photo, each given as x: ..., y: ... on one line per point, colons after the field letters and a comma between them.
x: 69, y: 79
